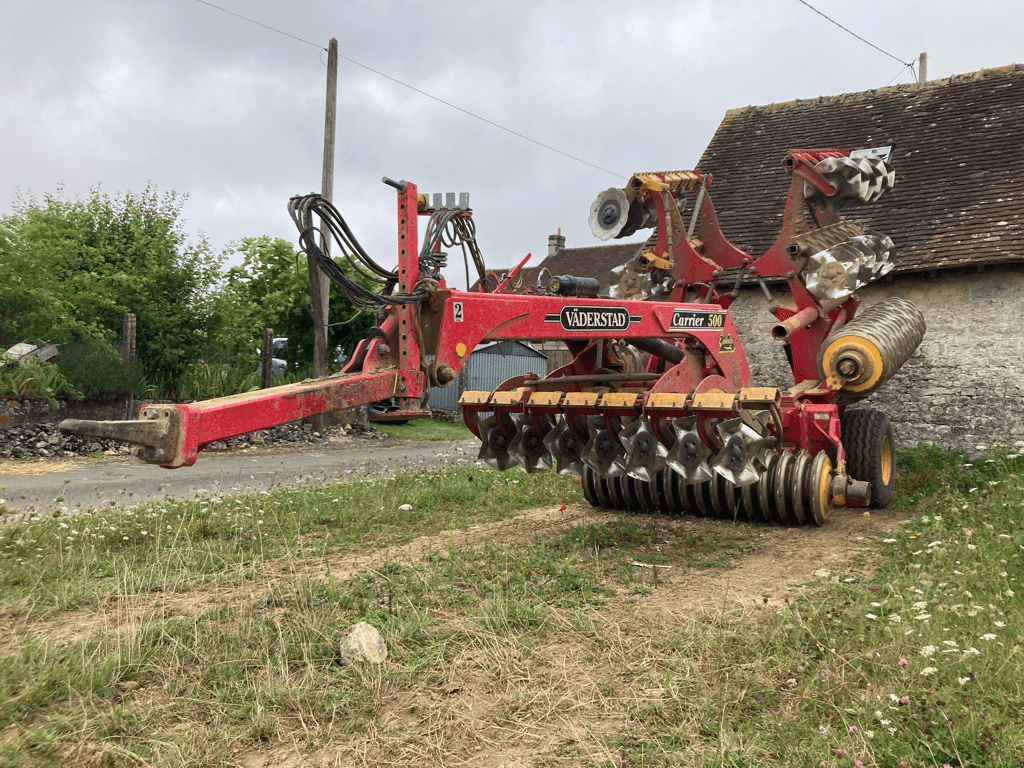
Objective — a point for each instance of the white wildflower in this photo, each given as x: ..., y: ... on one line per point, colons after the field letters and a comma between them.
x: 988, y: 636
x: 963, y: 680
x: 928, y: 651
x: 928, y: 671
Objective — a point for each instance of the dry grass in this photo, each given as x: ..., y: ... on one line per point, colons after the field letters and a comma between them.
x: 544, y: 639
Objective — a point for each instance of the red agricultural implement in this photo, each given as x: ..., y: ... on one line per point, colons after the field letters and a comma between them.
x: 656, y: 408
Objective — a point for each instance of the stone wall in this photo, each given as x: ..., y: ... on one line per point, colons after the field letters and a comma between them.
x: 962, y: 387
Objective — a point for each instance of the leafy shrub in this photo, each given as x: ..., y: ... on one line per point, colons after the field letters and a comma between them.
x: 97, y: 370
x: 203, y: 381
x: 35, y: 378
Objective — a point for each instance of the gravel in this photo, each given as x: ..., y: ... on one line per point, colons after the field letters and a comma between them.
x: 45, y: 441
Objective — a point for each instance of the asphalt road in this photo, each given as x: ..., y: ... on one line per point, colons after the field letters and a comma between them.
x: 123, y: 481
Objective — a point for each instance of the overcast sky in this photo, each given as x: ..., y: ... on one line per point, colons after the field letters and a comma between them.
x: 191, y: 98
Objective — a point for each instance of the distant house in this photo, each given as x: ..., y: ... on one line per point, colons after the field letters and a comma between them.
x: 956, y: 216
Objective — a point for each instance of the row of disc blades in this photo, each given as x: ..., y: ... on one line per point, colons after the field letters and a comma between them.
x: 795, y: 489
x: 634, y: 448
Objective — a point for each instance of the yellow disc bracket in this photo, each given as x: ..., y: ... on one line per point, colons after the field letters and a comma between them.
x: 460, y: 349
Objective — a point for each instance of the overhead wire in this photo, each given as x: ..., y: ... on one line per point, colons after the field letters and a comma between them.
x: 851, y: 32
x: 418, y: 90
x: 260, y: 24
x: 904, y: 69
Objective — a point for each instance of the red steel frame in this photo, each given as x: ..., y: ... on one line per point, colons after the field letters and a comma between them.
x: 395, y: 367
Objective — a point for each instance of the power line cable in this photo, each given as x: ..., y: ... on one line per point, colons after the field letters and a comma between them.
x: 478, y: 117
x: 904, y: 69
x: 260, y: 24
x: 804, y: 2
x: 417, y: 90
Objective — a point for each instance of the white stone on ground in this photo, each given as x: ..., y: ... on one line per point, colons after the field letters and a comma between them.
x: 362, y: 642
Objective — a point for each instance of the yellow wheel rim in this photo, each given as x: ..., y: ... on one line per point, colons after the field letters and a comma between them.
x: 887, y: 461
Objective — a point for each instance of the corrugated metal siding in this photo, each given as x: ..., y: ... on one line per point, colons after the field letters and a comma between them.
x: 486, y: 368
x: 446, y: 398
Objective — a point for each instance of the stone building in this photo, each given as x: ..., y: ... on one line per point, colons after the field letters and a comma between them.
x: 955, y: 215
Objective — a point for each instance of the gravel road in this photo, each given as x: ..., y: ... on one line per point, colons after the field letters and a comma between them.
x: 29, y: 488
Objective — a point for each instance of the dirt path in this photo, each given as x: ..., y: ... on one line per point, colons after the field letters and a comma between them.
x: 782, y: 561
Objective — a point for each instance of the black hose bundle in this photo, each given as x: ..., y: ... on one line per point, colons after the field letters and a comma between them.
x: 446, y: 227
x: 302, y: 209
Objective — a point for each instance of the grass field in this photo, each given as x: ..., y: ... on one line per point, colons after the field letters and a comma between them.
x: 425, y: 429
x: 523, y: 629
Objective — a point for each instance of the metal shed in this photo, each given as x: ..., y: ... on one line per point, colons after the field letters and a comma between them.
x: 487, y: 367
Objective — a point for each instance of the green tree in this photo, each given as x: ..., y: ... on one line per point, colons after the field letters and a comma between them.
x: 72, y: 270
x: 270, y: 289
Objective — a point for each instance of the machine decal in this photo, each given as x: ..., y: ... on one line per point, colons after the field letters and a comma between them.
x: 726, y: 343
x: 457, y: 315
x: 688, y: 319
x: 576, y: 318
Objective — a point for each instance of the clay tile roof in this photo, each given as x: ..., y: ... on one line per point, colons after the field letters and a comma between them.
x: 957, y: 151
x: 590, y: 261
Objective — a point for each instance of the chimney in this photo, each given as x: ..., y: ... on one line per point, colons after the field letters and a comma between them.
x: 922, y: 70
x: 555, y: 243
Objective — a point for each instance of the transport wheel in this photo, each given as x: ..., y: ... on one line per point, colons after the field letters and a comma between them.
x: 870, y: 444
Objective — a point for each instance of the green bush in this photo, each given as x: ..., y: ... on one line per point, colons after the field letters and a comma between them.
x: 35, y: 378
x: 97, y: 370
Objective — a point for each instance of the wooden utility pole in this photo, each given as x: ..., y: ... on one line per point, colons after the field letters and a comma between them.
x: 319, y: 284
x: 128, y: 339
x: 922, y: 68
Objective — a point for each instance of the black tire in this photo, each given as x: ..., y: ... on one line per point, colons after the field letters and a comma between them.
x: 870, y: 443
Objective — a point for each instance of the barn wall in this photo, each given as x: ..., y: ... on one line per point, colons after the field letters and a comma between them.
x: 962, y: 387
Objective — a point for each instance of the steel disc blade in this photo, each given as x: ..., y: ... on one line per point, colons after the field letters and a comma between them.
x: 688, y: 456
x: 528, y: 447
x: 762, y: 419
x: 494, y: 451
x: 603, y: 453
x: 645, y: 455
x: 608, y: 213
x: 741, y: 445
x: 566, y: 448
x: 589, y: 481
